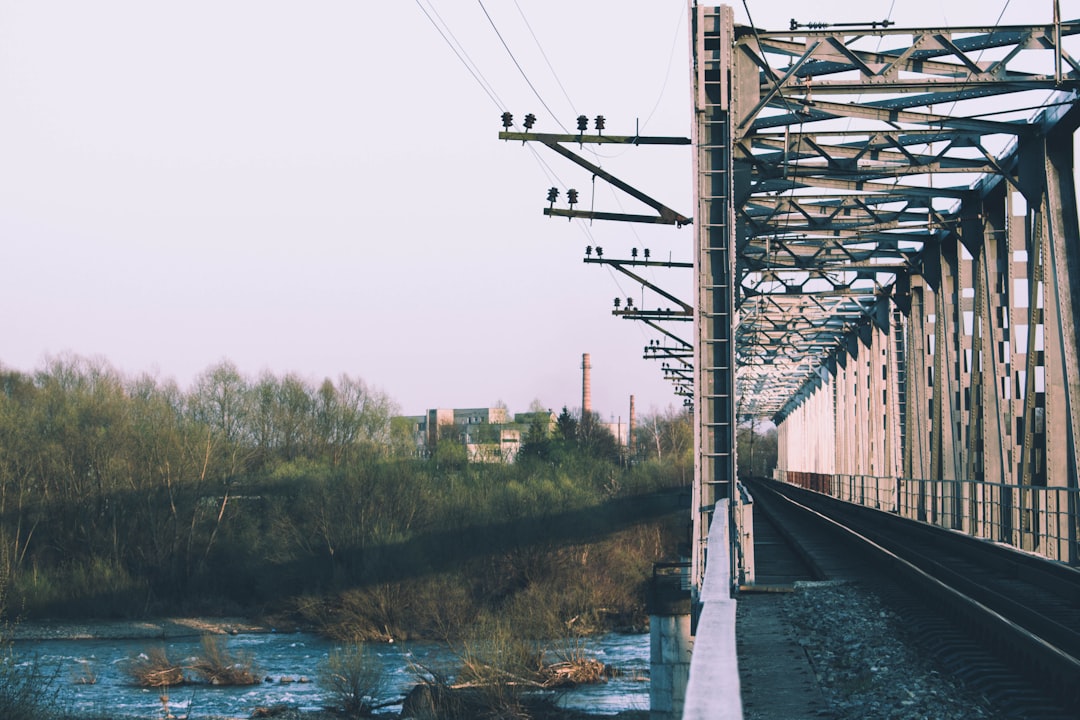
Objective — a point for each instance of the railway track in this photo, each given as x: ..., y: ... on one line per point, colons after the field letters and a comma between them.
x: 1002, y: 621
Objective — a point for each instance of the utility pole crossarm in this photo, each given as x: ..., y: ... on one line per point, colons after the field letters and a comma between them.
x: 623, y: 217
x: 549, y: 138
x: 618, y: 265
x: 667, y: 215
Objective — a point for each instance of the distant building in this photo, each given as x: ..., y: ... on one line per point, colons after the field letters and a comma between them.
x: 488, y: 434
x: 620, y: 430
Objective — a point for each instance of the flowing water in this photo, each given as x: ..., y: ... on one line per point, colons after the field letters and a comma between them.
x: 290, y: 662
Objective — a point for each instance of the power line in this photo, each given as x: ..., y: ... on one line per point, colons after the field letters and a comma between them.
x: 667, y: 72
x: 459, y: 50
x: 544, y: 55
x: 520, y: 69
x: 484, y: 85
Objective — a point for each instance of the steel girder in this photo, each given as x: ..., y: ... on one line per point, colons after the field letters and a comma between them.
x: 852, y: 165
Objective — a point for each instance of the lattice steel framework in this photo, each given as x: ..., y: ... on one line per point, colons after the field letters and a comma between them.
x: 894, y: 212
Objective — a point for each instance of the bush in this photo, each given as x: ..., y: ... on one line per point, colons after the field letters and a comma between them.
x: 499, y: 666
x: 217, y: 667
x: 26, y: 693
x: 354, y: 677
x: 154, y: 669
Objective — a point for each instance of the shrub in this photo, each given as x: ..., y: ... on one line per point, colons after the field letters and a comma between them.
x: 499, y: 666
x: 575, y: 665
x: 218, y: 667
x: 26, y: 693
x: 354, y: 677
x: 154, y: 669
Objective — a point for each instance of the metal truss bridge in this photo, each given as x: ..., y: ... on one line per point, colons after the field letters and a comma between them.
x: 887, y: 266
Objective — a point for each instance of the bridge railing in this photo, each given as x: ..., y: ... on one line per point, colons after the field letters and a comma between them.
x: 1037, y: 519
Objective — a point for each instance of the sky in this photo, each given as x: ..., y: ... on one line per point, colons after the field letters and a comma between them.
x: 318, y: 187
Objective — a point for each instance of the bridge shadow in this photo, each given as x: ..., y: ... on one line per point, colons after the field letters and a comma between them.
x: 448, y: 550
x: 250, y: 576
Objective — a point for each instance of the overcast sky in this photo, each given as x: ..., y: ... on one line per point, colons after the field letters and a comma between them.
x: 317, y: 187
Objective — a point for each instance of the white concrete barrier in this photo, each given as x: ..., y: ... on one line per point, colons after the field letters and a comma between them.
x: 713, y: 691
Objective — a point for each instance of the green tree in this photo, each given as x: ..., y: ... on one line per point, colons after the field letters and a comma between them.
x: 566, y: 426
x: 667, y: 435
x: 537, y: 443
x: 756, y: 448
x: 595, y: 439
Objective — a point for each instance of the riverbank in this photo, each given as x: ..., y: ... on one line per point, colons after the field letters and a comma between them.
x: 155, y: 629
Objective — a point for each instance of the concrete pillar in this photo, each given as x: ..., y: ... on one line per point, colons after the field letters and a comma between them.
x: 670, y: 642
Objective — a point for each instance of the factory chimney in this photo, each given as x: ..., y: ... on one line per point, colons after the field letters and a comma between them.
x: 586, y: 386
x: 633, y: 424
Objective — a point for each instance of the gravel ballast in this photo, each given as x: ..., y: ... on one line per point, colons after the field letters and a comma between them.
x: 865, y: 662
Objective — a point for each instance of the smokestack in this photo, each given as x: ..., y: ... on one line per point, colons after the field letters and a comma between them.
x: 586, y: 385
x: 633, y: 424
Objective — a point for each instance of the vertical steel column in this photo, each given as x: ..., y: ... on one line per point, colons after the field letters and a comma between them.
x: 962, y: 397
x: 844, y: 413
x: 1033, y: 470
x: 988, y: 456
x: 713, y: 32
x: 880, y: 416
x: 823, y: 425
x: 997, y: 429
x: 920, y: 400
x: 858, y: 425
x: 947, y: 381
x: 1018, y: 262
x: 898, y: 401
x: 940, y: 400
x: 1062, y: 334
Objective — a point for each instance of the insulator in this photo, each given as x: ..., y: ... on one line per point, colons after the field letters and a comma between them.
x: 599, y: 123
x: 646, y: 253
x: 629, y: 302
x: 508, y: 120
x: 571, y: 196
x: 530, y: 120
x: 599, y: 251
x: 617, y: 303
x: 588, y: 251
x: 582, y: 123
x: 633, y: 253
x: 553, y: 195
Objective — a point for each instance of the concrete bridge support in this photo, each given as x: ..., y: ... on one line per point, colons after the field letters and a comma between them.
x: 670, y: 641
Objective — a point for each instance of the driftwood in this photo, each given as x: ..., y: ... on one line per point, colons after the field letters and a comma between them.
x: 577, y: 672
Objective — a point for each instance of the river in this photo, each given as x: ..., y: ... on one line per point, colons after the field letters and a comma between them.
x: 293, y: 657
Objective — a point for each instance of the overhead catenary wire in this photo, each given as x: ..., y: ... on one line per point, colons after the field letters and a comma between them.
x: 520, y: 69
x: 502, y: 39
x: 473, y: 69
x: 543, y: 54
x: 667, y: 71
x: 459, y: 51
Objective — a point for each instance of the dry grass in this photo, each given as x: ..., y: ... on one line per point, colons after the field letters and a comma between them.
x: 354, y: 678
x: 575, y: 665
x: 218, y: 667
x: 154, y: 669
x: 587, y: 671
